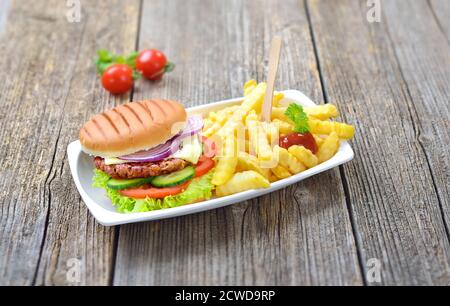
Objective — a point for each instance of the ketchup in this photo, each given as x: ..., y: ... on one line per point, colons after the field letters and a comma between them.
x: 307, y: 140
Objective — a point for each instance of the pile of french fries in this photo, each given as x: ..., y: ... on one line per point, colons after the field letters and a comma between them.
x: 249, y: 156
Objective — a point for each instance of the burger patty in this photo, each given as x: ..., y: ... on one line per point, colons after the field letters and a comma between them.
x: 140, y: 170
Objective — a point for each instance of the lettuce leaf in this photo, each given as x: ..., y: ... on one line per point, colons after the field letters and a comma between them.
x: 199, y: 189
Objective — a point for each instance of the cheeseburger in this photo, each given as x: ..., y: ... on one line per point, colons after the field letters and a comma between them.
x: 149, y: 155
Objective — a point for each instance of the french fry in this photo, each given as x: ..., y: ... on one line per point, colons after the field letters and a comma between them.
x: 273, y: 178
x: 237, y: 130
x: 258, y: 138
x: 242, y: 181
x: 225, y: 169
x: 207, y: 123
x: 320, y: 127
x: 272, y: 132
x: 251, y: 102
x: 216, y: 120
x: 249, y: 86
x: 319, y: 140
x: 255, y: 99
x: 280, y: 172
x: 241, y: 138
x: 214, y: 128
x: 228, y: 111
x: 277, y: 97
x: 284, y: 127
x: 304, y: 155
x: 227, y: 162
x: 246, y: 147
x: 344, y: 131
x: 250, y: 162
x: 329, y: 147
x: 213, y: 116
x: 288, y: 161
x: 322, y: 112
x: 278, y: 113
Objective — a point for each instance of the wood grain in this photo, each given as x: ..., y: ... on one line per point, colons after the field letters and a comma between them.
x: 390, y: 80
x: 53, y: 90
x: 440, y: 10
x: 4, y: 10
x: 300, y: 235
x: 423, y: 54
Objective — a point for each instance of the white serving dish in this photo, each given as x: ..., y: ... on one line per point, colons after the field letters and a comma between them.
x: 81, y: 166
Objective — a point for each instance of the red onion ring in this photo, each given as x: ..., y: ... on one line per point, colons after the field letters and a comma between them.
x: 193, y: 126
x: 154, y: 154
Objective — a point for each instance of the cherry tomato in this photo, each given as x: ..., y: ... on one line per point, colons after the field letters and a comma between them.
x: 151, y: 63
x: 204, y: 165
x: 153, y: 192
x: 118, y: 79
x: 307, y: 140
x: 209, y: 147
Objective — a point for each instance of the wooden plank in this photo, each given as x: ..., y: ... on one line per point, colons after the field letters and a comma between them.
x: 49, y: 89
x: 300, y: 235
x: 425, y: 67
x: 4, y: 10
x: 368, y: 73
x: 440, y: 10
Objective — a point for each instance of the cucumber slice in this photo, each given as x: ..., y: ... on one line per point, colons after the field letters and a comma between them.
x: 174, y: 178
x: 119, y: 184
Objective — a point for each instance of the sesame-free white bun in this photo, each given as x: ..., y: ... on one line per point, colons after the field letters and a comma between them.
x: 132, y: 127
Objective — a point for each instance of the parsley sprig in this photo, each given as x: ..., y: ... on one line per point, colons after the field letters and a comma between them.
x: 297, y: 115
x: 106, y: 58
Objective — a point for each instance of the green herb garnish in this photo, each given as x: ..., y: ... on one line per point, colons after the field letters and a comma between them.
x: 169, y: 67
x: 298, y: 116
x: 106, y: 58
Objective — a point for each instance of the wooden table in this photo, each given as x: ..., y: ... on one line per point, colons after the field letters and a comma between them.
x: 390, y: 79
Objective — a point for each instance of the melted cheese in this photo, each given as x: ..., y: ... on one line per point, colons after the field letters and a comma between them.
x: 191, y: 150
x: 114, y: 161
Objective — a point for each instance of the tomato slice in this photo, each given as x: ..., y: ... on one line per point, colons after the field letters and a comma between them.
x: 204, y: 165
x: 209, y: 147
x: 153, y: 192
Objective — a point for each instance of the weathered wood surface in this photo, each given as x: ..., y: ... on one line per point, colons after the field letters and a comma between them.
x: 440, y: 10
x: 300, y: 235
x: 4, y: 10
x: 391, y: 80
x: 49, y: 88
x: 425, y: 67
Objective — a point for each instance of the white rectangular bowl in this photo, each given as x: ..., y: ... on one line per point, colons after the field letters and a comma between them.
x: 81, y: 166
